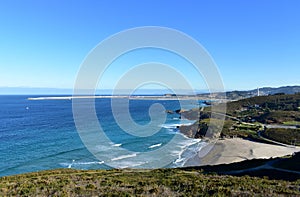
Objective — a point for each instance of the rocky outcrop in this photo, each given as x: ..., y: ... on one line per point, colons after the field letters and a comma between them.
x: 196, y: 130
x: 169, y: 111
x: 205, y: 125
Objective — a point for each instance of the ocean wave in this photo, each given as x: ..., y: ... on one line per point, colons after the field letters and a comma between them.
x: 170, y: 126
x: 70, y: 165
x: 130, y: 164
x: 123, y: 157
x: 189, y: 149
x: 175, y: 125
x: 155, y: 145
x: 117, y: 145
x: 89, y: 163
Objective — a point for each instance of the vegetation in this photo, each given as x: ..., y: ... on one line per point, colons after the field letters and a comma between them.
x: 278, y: 117
x: 265, y: 103
x: 241, y: 130
x: 245, y: 118
x: 160, y: 182
x: 295, y: 123
x: 286, y: 136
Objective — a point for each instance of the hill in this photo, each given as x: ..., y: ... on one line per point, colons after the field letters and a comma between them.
x: 261, y: 118
x: 193, y: 181
x: 265, y: 91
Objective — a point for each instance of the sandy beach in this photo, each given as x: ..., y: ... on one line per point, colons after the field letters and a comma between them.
x: 234, y: 150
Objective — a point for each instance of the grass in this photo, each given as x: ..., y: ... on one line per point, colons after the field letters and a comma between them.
x: 292, y: 123
x: 160, y: 182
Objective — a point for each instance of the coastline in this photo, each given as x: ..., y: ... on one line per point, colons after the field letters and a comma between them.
x: 135, y: 97
x: 223, y: 151
x: 226, y: 151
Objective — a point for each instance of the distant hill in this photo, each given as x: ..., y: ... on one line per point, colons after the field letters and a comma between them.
x: 284, y: 89
x: 277, y: 101
x: 237, y: 95
x: 263, y: 92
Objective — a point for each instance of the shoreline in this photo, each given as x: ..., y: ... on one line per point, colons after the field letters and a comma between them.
x: 226, y: 151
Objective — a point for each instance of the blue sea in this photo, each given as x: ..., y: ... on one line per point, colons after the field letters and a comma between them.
x: 41, y: 134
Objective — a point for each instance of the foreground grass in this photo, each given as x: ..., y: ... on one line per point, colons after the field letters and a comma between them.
x: 161, y: 182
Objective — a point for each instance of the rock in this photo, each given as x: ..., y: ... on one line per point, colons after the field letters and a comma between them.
x: 169, y: 111
x: 196, y: 130
x: 179, y: 111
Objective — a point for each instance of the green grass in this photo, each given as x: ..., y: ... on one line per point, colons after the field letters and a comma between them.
x: 235, y: 129
x: 160, y: 182
x: 251, y: 127
x: 293, y: 123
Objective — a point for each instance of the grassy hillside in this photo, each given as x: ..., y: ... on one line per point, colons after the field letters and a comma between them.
x: 161, y: 182
x: 287, y: 136
x: 191, y: 181
x: 273, y: 102
x: 246, y: 117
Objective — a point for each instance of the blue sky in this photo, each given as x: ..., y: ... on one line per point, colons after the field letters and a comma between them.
x: 255, y: 43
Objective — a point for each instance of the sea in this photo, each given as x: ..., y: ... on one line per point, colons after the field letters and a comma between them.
x: 41, y: 135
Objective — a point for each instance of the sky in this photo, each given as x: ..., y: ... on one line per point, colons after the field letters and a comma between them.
x: 254, y: 43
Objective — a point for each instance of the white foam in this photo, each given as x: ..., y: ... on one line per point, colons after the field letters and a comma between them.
x: 187, y: 151
x: 188, y: 141
x: 175, y: 125
x: 155, y: 145
x: 128, y: 164
x: 170, y: 126
x: 70, y: 165
x: 179, y: 160
x: 123, y: 157
x: 89, y: 163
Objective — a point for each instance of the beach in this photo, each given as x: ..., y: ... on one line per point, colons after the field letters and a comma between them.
x: 226, y: 151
